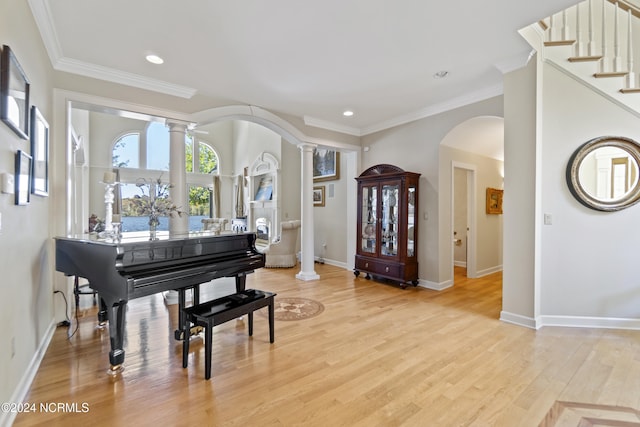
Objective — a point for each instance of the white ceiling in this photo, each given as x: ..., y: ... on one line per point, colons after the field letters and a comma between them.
x: 311, y: 59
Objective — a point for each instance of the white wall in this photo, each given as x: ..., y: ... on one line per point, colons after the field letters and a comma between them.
x: 520, y: 134
x: 589, y: 267
x: 26, y: 261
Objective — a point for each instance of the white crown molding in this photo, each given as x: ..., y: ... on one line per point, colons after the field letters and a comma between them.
x: 461, y: 101
x: 515, y: 62
x: 42, y: 15
x: 325, y: 124
x: 121, y: 77
x: 44, y: 21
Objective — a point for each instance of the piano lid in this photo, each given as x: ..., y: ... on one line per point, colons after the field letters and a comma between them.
x: 133, y: 237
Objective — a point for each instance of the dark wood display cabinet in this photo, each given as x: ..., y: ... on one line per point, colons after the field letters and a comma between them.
x: 387, y: 224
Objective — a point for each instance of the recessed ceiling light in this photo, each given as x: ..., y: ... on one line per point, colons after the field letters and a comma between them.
x: 347, y: 113
x: 441, y: 74
x: 154, y: 59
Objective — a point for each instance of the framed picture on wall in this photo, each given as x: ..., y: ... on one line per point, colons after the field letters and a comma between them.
x: 39, y: 153
x: 494, y: 201
x: 326, y: 164
x: 318, y: 196
x: 14, y: 94
x: 23, y: 177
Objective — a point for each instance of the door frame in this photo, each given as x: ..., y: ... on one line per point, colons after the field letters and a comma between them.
x: 471, y: 216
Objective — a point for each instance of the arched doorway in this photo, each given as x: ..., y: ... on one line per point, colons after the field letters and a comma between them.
x: 473, y: 152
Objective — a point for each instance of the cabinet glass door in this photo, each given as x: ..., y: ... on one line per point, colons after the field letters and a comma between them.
x: 368, y: 220
x: 389, y: 223
x: 411, y: 221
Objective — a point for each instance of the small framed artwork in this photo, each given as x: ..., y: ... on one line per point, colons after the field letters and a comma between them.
x: 318, y: 196
x: 23, y: 177
x: 39, y: 153
x: 14, y: 94
x: 494, y: 201
x: 326, y: 164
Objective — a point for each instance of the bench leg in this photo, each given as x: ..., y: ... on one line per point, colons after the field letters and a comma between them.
x: 208, y: 337
x: 250, y: 315
x: 271, y: 323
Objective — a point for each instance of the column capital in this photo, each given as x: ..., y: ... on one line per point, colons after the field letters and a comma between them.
x: 177, y: 125
x: 306, y: 146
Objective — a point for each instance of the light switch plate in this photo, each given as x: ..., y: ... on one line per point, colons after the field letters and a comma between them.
x: 7, y: 183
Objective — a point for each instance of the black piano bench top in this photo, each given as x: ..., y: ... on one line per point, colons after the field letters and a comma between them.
x: 221, y: 310
x: 231, y: 306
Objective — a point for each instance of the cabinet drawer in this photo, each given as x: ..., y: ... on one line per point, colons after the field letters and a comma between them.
x: 378, y: 267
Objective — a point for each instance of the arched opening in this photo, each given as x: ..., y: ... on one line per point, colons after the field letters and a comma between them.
x: 473, y: 153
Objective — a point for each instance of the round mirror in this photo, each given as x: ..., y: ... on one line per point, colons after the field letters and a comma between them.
x: 603, y: 174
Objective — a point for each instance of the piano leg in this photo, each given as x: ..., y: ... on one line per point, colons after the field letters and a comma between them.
x: 179, y: 334
x: 116, y: 310
x: 241, y: 281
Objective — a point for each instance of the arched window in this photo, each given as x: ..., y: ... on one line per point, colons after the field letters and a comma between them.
x: 126, y: 151
x: 157, y: 147
x: 149, y: 152
x: 200, y: 157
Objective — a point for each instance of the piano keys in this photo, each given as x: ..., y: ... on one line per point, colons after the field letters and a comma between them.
x: 135, y: 267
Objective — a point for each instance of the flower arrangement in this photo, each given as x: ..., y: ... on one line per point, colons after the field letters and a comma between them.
x: 154, y: 201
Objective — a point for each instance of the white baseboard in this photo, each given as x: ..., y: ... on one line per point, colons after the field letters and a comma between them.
x: 462, y: 264
x: 488, y: 271
x: 589, y: 322
x: 19, y: 394
x: 434, y: 285
x: 331, y: 262
x: 516, y: 319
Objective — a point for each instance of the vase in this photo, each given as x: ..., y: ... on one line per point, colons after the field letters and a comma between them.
x: 153, y: 232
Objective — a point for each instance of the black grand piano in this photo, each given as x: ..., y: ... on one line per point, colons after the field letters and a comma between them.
x: 134, y: 267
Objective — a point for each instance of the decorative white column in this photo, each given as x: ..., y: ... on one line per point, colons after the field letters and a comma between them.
x: 178, y: 177
x: 307, y: 271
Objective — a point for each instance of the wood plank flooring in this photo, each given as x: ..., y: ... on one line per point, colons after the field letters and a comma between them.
x: 377, y: 356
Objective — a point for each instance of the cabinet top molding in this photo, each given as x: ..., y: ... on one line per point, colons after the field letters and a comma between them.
x: 384, y: 169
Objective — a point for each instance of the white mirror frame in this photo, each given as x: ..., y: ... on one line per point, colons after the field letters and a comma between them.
x: 573, y: 167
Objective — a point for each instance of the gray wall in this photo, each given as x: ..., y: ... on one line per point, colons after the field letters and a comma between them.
x: 26, y: 264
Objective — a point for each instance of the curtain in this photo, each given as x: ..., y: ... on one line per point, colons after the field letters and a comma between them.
x: 239, y: 196
x: 117, y: 194
x: 215, y: 197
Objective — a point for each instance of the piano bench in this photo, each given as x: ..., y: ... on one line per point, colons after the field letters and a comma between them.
x: 221, y: 310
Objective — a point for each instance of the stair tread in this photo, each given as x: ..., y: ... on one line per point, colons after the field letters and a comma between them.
x: 630, y: 90
x: 585, y: 58
x: 559, y: 42
x: 611, y: 74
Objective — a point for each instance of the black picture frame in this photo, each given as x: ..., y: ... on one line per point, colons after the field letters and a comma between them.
x: 39, y: 153
x: 14, y: 94
x: 23, y: 178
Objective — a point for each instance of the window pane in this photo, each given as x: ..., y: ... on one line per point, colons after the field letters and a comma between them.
x: 157, y: 147
x: 126, y: 151
x: 208, y: 159
x: 133, y: 216
x: 199, y: 206
x: 188, y: 140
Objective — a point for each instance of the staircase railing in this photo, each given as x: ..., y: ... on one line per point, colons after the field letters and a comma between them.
x: 599, y: 38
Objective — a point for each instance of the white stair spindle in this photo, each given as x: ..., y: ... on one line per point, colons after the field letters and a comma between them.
x: 591, y: 47
x: 617, y: 58
x: 630, y: 78
x: 565, y: 27
x: 579, y: 43
x: 603, y: 61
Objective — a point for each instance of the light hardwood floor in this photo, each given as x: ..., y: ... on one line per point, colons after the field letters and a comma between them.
x: 377, y: 356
